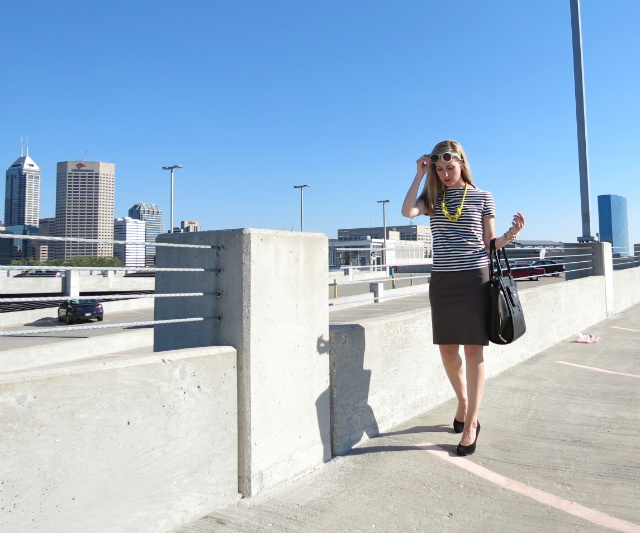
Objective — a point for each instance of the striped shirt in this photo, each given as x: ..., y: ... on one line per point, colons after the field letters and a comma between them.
x: 459, y: 245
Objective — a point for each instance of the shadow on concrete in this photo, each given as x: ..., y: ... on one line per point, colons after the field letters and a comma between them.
x: 419, y: 429
x: 351, y: 415
x: 449, y: 448
x: 45, y: 322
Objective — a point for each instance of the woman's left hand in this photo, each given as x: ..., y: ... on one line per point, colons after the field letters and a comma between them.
x: 517, y: 224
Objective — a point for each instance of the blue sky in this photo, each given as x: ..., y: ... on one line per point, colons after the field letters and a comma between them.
x: 253, y: 98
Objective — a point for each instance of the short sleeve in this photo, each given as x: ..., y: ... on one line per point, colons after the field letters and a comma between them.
x: 489, y: 207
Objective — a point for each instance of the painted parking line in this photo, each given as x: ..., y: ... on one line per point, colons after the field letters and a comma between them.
x: 594, y: 369
x: 551, y: 500
x: 626, y: 329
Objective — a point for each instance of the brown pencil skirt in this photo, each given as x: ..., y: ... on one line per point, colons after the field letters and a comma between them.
x: 460, y: 304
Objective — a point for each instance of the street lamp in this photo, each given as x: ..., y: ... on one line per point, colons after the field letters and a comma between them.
x: 171, y: 169
x: 301, y: 187
x: 384, y: 223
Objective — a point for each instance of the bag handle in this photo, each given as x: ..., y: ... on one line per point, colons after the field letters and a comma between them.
x: 494, y: 256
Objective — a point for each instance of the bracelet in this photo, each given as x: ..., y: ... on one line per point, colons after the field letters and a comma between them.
x: 509, y: 239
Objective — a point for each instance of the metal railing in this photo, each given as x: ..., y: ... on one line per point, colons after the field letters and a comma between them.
x: 102, y: 297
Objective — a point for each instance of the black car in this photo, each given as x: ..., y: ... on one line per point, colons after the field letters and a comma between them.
x: 550, y: 266
x: 72, y: 310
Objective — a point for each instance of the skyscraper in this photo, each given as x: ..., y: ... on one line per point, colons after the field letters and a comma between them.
x: 153, y: 217
x: 22, y: 193
x: 612, y: 215
x: 84, y: 207
x: 22, y: 204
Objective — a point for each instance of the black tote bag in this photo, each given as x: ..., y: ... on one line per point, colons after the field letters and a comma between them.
x: 506, y: 323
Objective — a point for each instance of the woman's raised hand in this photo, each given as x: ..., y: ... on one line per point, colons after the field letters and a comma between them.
x: 423, y: 165
x: 517, y: 224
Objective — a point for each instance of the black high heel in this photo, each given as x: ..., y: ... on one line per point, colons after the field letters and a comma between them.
x: 458, y: 427
x: 469, y: 450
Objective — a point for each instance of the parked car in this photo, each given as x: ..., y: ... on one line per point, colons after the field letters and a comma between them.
x: 72, y: 310
x: 550, y: 266
x: 524, y: 271
x: 40, y: 273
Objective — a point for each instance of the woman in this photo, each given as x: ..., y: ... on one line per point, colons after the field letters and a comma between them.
x: 462, y: 226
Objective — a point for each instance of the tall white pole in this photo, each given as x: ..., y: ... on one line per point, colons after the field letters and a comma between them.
x: 301, y: 187
x: 171, y: 168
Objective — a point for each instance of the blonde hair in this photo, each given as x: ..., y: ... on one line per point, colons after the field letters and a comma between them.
x: 433, y: 186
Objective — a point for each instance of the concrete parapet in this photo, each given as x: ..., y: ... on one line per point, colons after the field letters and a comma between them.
x: 133, y: 444
x: 271, y: 295
x: 626, y: 288
x: 386, y: 370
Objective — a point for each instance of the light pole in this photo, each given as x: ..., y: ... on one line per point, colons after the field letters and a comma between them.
x: 301, y: 187
x: 171, y: 169
x: 581, y: 117
x: 384, y: 223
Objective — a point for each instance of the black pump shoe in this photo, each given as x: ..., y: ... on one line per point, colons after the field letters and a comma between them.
x: 468, y: 450
x: 458, y: 427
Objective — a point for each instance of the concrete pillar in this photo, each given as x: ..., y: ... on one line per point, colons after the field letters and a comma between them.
x: 377, y: 289
x: 603, y: 266
x: 71, y: 283
x: 271, y: 295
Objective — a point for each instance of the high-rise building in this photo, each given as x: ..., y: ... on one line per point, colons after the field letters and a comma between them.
x: 153, y: 218
x: 22, y: 193
x: 84, y: 207
x: 22, y: 204
x: 188, y: 226
x: 612, y: 216
x: 47, y: 228
x: 132, y: 230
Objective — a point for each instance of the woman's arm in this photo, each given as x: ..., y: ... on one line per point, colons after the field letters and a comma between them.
x: 412, y: 207
x: 489, y: 231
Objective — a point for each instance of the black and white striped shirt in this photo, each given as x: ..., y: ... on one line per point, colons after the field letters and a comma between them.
x: 459, y: 245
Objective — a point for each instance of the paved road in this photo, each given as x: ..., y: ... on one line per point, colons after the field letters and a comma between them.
x: 558, y: 451
x: 50, y: 321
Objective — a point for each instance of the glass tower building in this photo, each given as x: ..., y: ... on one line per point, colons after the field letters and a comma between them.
x: 22, y: 204
x: 612, y: 216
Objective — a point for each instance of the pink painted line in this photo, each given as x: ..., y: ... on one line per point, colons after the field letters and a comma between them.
x: 599, y: 369
x: 573, y: 508
x: 626, y: 329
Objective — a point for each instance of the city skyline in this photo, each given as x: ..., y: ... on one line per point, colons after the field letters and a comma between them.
x: 342, y: 98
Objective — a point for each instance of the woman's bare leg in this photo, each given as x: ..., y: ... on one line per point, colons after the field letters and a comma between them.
x: 475, y: 386
x: 455, y: 372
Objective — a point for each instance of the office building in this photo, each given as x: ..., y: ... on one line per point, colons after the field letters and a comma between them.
x: 410, y: 232
x: 362, y: 247
x: 22, y: 193
x: 153, y: 227
x: 612, y: 217
x: 187, y: 226
x: 22, y: 204
x: 129, y: 229
x: 46, y: 228
x: 84, y: 207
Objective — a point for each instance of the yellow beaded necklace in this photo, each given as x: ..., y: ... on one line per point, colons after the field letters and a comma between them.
x: 453, y: 218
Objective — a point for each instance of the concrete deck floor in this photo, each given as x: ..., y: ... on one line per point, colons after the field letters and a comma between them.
x: 559, y: 450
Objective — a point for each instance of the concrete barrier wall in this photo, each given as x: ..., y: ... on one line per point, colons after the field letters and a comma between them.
x: 272, y: 298
x: 135, y: 444
x: 386, y: 370
x: 91, y: 284
x: 626, y: 288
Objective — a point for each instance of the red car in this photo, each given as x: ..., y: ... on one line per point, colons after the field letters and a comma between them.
x: 524, y: 271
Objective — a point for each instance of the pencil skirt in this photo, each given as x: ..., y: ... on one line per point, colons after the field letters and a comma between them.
x: 460, y: 304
